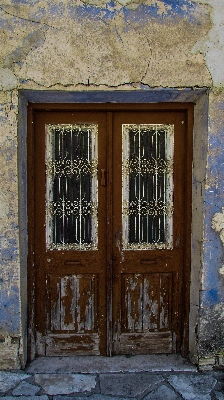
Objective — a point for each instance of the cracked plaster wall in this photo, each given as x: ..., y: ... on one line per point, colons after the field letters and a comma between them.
x: 98, y: 45
x: 211, y: 325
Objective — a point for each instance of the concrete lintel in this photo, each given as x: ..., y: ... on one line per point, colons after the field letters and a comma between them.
x: 119, y: 96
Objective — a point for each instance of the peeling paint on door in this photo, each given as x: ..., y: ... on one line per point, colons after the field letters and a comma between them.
x: 101, y: 47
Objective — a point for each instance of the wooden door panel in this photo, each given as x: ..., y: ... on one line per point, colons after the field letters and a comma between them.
x: 73, y: 303
x: 147, y: 343
x: 70, y: 224
x: 148, y: 241
x: 75, y: 344
x: 147, y: 302
x: 147, y: 310
x: 113, y: 281
x: 73, y: 306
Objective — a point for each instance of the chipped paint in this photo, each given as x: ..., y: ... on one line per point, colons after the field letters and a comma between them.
x: 212, y: 331
x: 73, y: 303
x: 218, y: 224
x: 8, y: 80
x: 212, y: 44
x: 119, y: 44
x: 10, y: 349
x: 101, y: 45
x: 147, y: 302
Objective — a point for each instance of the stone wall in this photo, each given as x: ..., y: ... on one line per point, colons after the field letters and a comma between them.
x: 74, y: 45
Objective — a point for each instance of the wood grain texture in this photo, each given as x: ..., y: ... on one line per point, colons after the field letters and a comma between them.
x: 158, y: 343
x: 73, y: 303
x: 109, y: 301
x: 67, y: 344
x: 147, y: 302
x: 148, y: 284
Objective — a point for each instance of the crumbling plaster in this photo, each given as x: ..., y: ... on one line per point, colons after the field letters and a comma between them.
x: 125, y: 45
x: 9, y: 242
x: 218, y: 225
x: 212, y: 45
x: 105, y: 44
x: 211, y: 321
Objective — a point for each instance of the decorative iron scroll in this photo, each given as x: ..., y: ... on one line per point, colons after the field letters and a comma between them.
x: 147, y: 186
x: 71, y: 187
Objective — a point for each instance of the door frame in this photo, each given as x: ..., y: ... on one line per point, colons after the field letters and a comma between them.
x: 109, y: 108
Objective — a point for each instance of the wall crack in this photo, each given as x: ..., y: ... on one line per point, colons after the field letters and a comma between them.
x: 25, y: 19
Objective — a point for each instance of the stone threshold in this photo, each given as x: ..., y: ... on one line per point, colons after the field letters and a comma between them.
x: 116, y: 364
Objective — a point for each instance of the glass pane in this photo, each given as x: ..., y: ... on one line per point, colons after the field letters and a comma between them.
x: 147, y: 180
x: 71, y: 187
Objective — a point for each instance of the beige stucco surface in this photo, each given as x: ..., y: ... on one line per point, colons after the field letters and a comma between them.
x: 94, y: 45
x: 103, y: 51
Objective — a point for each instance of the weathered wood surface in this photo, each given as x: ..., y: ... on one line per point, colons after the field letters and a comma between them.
x: 109, y: 300
x: 147, y: 284
x: 70, y: 285
x: 136, y: 343
x: 67, y: 344
x: 147, y: 302
x: 73, y: 303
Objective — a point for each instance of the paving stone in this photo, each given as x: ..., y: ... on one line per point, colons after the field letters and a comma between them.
x: 92, y: 397
x: 163, y: 392
x: 193, y: 386
x: 54, y: 384
x: 129, y: 385
x: 25, y: 389
x: 103, y: 397
x: 9, y: 380
x: 43, y: 397
x: 219, y: 395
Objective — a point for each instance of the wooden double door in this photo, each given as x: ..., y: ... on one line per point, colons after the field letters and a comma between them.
x: 109, y: 229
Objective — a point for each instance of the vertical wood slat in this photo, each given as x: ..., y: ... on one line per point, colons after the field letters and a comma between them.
x: 188, y: 227
x: 165, y: 300
x: 73, y: 302
x: 109, y: 181
x: 151, y: 302
x: 132, y: 286
x: 54, y: 294
x: 147, y: 302
x: 31, y: 271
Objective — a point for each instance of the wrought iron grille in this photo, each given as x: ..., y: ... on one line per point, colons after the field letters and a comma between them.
x: 71, y: 187
x: 147, y: 180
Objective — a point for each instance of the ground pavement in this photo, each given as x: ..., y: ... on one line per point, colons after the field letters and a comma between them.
x: 149, y: 377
